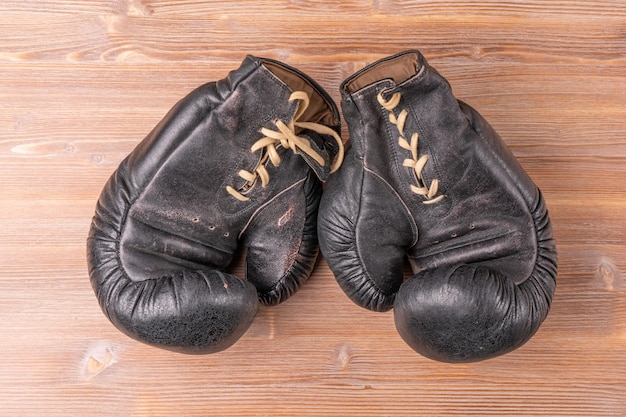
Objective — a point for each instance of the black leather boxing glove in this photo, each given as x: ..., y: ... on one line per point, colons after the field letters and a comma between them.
x: 428, y: 178
x: 238, y: 162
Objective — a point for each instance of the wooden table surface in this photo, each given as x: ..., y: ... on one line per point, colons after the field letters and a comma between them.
x: 83, y: 81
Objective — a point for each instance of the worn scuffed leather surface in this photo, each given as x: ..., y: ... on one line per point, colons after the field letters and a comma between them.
x: 483, y: 257
x: 165, y: 228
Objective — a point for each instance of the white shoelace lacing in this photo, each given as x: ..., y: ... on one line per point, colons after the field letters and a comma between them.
x: 416, y: 162
x: 286, y: 137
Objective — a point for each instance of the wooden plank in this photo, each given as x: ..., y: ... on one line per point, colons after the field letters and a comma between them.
x: 122, y: 35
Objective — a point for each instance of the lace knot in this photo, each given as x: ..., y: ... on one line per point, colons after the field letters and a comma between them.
x: 286, y: 137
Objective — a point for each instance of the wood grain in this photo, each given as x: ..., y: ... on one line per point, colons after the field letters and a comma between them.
x: 82, y: 82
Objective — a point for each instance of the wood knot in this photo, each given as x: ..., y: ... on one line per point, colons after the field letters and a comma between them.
x: 476, y: 52
x: 98, y: 357
x: 343, y: 357
x: 98, y: 158
x: 608, y: 275
x: 139, y: 8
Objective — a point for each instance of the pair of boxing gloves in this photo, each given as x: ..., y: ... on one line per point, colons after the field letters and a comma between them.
x: 240, y: 163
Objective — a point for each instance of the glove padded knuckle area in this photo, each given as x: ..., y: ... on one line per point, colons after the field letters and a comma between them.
x: 467, y: 313
x: 188, y: 311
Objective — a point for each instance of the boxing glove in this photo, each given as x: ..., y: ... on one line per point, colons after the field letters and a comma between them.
x: 428, y: 179
x: 237, y: 163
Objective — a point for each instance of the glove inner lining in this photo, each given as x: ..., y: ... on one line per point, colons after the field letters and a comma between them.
x: 398, y: 69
